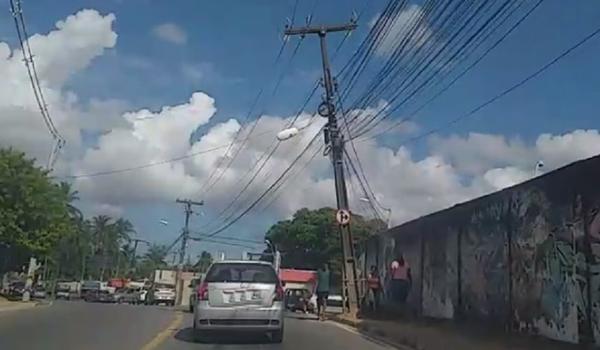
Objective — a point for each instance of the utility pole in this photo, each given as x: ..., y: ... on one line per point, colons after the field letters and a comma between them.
x: 335, y: 141
x: 184, y: 239
x: 134, y: 253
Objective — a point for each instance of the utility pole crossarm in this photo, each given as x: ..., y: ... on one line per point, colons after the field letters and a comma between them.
x: 185, y: 201
x: 320, y: 29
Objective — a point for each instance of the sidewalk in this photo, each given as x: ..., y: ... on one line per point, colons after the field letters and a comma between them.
x: 7, y: 305
x: 442, y: 335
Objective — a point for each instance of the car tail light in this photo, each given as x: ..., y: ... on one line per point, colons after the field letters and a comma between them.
x: 279, y: 292
x: 203, y: 291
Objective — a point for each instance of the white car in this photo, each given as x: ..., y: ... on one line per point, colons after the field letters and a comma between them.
x: 240, y: 296
x: 161, y: 294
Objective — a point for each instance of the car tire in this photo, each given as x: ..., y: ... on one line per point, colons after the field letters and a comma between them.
x: 277, y: 336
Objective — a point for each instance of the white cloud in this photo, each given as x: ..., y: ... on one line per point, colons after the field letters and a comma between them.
x: 59, y: 55
x: 500, y: 178
x: 456, y: 168
x: 405, y: 25
x: 170, y: 32
x: 476, y: 153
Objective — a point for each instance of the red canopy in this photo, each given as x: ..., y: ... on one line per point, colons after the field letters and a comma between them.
x: 302, y: 276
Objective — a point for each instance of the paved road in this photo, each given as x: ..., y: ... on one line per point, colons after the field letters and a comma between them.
x: 80, y: 325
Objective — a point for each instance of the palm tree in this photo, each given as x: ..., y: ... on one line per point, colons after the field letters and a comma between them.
x: 153, y: 259
x: 71, y: 196
x: 204, y: 261
x: 122, y: 231
x: 156, y: 254
x: 101, y: 236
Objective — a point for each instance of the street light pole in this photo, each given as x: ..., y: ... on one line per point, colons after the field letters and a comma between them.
x: 327, y: 110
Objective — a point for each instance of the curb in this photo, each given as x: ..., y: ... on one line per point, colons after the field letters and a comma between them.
x: 377, y: 334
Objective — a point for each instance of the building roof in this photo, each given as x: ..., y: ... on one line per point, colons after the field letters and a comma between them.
x: 292, y: 275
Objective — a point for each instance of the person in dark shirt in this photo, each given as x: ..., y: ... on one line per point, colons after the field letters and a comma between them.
x: 323, y: 279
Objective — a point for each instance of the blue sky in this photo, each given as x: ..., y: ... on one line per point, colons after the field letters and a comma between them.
x: 231, y: 45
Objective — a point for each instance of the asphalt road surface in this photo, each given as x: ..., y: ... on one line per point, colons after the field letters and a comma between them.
x: 79, y: 325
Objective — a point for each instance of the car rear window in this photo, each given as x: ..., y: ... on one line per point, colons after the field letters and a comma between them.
x: 240, y: 272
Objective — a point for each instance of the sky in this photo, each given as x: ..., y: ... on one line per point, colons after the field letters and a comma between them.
x: 132, y: 82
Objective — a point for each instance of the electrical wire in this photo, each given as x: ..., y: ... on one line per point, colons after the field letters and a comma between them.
x: 508, y: 90
x: 461, y: 74
x: 268, y: 190
x: 161, y: 162
x: 23, y: 38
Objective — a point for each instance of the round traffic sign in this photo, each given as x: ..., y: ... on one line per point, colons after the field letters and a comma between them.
x: 342, y: 217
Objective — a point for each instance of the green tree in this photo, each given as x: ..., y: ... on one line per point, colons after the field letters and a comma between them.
x: 33, y: 210
x: 153, y: 259
x: 71, y: 196
x: 101, y: 234
x: 204, y: 261
x: 311, y: 238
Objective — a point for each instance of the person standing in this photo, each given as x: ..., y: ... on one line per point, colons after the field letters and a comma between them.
x: 374, y: 283
x: 323, y: 282
x: 401, y: 279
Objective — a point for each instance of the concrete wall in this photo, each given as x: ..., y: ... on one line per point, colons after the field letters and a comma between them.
x: 526, y: 258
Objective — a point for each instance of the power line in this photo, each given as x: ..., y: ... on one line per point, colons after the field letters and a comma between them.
x: 460, y: 75
x: 153, y: 164
x: 23, y: 37
x: 269, y: 189
x: 506, y: 91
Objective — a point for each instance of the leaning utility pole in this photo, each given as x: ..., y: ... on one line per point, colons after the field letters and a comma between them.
x: 184, y: 239
x: 134, y: 253
x: 335, y: 141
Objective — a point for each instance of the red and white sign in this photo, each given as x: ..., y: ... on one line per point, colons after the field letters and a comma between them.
x: 342, y: 217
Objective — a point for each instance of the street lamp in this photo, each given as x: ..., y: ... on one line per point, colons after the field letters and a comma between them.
x: 538, y: 166
x: 287, y: 134
x: 388, y: 210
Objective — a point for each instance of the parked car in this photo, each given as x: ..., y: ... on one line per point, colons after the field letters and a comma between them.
x: 99, y: 296
x: 16, y: 289
x: 240, y: 296
x: 38, y: 292
x: 143, y: 295
x: 161, y: 294
x: 295, y: 299
x: 127, y: 295
x: 63, y: 293
x: 334, y: 300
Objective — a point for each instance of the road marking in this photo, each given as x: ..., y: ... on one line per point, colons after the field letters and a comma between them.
x: 165, y: 333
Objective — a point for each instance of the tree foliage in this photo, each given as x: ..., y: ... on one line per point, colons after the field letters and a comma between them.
x: 204, y: 261
x: 33, y: 211
x: 312, y: 238
x: 39, y: 218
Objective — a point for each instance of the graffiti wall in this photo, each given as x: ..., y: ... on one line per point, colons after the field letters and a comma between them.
x: 440, y: 280
x: 526, y: 259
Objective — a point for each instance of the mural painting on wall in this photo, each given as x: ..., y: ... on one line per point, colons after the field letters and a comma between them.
x: 548, y: 266
x: 594, y: 232
x: 484, y: 256
x: 440, y: 274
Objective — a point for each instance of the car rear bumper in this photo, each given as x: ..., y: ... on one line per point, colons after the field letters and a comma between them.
x: 240, y: 318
